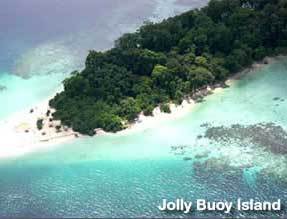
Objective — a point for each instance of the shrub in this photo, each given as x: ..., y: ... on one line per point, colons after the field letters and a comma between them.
x: 165, y: 108
x: 40, y: 124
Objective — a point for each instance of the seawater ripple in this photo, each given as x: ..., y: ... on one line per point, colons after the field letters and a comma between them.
x: 122, y: 188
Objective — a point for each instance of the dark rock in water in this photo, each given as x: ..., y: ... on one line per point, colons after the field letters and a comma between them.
x: 209, y: 92
x: 209, y: 164
x: 199, y: 137
x: 187, y: 158
x: 282, y: 100
x: 2, y: 88
x: 179, y: 147
x: 276, y: 98
x: 224, y: 85
x: 179, y: 150
x: 200, y: 156
x: 270, y: 136
x: 235, y: 126
x: 199, y: 100
x: 204, y: 125
x: 173, y: 148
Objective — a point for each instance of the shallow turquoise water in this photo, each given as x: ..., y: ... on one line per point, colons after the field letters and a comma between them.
x: 128, y: 176
x: 23, y: 93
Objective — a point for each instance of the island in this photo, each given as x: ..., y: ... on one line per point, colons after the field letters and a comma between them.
x: 167, y: 62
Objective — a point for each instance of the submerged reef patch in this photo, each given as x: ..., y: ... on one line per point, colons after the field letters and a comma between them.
x: 2, y: 88
x: 278, y: 100
x: 269, y: 136
x: 46, y: 59
x: 261, y: 147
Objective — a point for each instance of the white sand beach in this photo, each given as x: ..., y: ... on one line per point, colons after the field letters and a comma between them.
x: 20, y: 135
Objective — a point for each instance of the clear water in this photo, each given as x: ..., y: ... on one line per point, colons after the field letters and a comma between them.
x: 129, y: 175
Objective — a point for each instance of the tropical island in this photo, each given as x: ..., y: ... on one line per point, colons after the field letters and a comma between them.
x: 168, y: 62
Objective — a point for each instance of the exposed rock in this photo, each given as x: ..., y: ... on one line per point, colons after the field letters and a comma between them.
x: 224, y: 85
x: 266, y: 61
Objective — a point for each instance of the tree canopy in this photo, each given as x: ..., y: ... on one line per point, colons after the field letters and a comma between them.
x: 163, y: 62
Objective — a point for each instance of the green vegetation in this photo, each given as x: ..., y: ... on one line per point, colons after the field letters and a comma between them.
x: 165, y: 62
x: 165, y: 108
x: 40, y: 124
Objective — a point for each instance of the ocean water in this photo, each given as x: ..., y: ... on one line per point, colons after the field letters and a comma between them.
x: 129, y: 175
x: 230, y: 146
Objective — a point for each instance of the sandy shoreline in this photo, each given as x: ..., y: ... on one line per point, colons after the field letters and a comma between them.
x: 20, y: 135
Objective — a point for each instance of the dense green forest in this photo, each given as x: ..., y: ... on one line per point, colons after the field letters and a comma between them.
x: 165, y: 62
